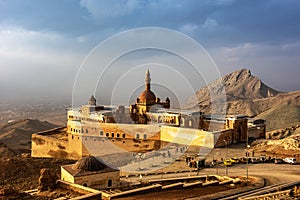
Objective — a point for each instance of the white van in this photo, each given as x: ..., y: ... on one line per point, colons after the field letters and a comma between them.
x: 290, y: 160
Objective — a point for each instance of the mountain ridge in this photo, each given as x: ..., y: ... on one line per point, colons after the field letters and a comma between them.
x: 15, y: 136
x: 240, y: 93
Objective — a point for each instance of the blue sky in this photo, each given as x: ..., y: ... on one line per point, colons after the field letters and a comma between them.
x: 42, y: 43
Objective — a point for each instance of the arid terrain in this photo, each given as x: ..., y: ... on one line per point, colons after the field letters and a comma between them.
x: 245, y: 94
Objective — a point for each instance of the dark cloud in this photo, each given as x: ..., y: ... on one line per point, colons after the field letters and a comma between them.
x: 239, y: 33
x: 237, y: 21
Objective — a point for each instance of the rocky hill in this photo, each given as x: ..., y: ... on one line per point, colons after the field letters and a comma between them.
x: 277, y: 117
x: 23, y: 172
x: 282, y: 144
x: 15, y: 137
x: 240, y: 93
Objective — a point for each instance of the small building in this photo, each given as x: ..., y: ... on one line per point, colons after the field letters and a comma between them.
x: 91, y: 172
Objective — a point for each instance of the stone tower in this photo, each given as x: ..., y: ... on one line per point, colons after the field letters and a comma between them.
x: 92, y: 101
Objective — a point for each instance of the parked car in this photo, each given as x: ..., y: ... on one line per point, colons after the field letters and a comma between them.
x: 263, y: 158
x: 253, y: 160
x: 290, y: 160
x: 243, y: 160
x: 234, y: 160
x: 227, y: 162
x: 278, y: 161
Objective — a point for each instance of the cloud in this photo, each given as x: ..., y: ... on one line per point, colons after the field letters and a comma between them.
x: 189, y: 29
x: 112, y: 8
x: 210, y: 24
x: 54, y: 35
x: 37, y: 63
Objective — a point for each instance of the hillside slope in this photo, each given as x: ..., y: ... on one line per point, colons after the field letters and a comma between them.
x: 281, y: 116
x: 16, y: 136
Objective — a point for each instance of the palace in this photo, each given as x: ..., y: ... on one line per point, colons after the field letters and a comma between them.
x: 148, y: 124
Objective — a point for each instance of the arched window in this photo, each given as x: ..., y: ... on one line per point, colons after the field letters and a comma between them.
x: 137, y: 136
x: 145, y: 136
x: 118, y: 135
x: 112, y: 135
x: 109, y: 183
x: 123, y: 135
x: 101, y: 133
x: 84, y: 184
x: 107, y: 134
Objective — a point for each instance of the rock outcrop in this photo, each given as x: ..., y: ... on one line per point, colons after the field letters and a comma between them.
x: 47, y: 179
x: 239, y: 85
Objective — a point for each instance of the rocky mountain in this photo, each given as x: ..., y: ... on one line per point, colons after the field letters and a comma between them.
x: 15, y: 137
x: 240, y: 93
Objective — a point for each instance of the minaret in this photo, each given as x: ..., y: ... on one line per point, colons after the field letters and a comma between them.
x: 147, y: 80
x: 92, y: 101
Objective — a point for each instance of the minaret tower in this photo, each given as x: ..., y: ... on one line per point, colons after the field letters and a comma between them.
x: 147, y: 81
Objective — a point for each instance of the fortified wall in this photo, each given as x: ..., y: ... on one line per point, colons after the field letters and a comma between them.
x: 114, y: 138
x: 119, y: 138
x: 51, y: 143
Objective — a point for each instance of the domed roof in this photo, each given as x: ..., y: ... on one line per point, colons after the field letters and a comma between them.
x: 90, y: 164
x: 147, y: 95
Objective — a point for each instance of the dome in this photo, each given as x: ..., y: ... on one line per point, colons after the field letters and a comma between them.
x: 147, y: 95
x: 89, y: 163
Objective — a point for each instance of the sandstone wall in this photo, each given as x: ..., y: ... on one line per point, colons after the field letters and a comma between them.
x: 212, y: 125
x: 220, y: 136
x: 258, y: 131
x: 99, y: 181
x: 46, y: 146
x: 186, y: 136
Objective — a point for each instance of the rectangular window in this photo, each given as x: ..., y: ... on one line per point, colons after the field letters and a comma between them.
x: 101, y: 133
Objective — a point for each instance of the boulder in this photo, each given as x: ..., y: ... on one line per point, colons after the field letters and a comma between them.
x: 47, y: 179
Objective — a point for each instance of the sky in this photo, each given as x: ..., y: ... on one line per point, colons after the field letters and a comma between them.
x: 44, y: 44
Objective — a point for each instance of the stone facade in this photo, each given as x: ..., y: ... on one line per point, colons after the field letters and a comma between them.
x: 91, y: 172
